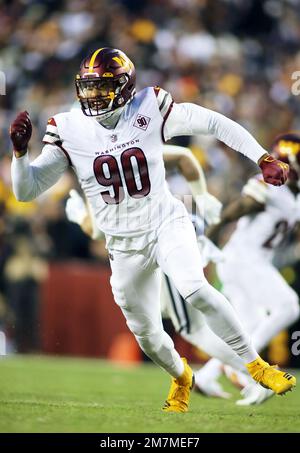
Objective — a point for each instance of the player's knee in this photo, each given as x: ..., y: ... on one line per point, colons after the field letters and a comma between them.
x: 191, y: 286
x: 204, y: 298
x: 122, y: 296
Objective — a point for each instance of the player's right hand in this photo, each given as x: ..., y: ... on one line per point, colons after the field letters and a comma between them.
x: 274, y: 171
x: 20, y: 133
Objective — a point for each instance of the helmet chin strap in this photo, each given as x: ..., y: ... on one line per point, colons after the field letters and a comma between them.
x: 110, y: 119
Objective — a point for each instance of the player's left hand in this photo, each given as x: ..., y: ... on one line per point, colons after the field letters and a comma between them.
x: 274, y: 171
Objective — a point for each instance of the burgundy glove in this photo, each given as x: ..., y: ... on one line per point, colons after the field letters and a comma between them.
x: 274, y: 171
x: 20, y: 133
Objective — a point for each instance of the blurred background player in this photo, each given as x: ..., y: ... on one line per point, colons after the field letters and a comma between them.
x: 264, y: 301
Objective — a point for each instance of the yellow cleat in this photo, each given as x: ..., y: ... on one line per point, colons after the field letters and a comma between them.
x: 270, y: 377
x: 179, y: 394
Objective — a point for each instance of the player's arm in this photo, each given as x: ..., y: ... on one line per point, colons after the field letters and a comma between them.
x: 183, y: 159
x: 191, y: 119
x: 252, y: 201
x: 29, y: 180
x: 78, y: 211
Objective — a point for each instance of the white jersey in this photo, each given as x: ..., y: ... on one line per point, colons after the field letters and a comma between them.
x: 121, y: 171
x: 261, y: 233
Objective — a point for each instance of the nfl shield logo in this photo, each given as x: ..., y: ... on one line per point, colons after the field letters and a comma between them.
x: 114, y: 138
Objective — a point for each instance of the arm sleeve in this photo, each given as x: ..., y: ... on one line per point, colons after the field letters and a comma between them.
x: 29, y: 180
x: 197, y: 185
x: 191, y: 119
x: 164, y: 101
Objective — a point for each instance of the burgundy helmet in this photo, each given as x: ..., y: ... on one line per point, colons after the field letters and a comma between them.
x: 105, y: 82
x: 286, y: 148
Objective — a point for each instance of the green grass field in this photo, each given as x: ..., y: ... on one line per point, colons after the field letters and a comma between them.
x: 42, y: 394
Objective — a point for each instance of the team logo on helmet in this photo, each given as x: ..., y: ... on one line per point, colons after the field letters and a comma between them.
x: 124, y: 62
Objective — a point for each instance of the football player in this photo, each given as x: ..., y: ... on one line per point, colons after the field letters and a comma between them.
x: 114, y: 144
x: 265, y: 303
